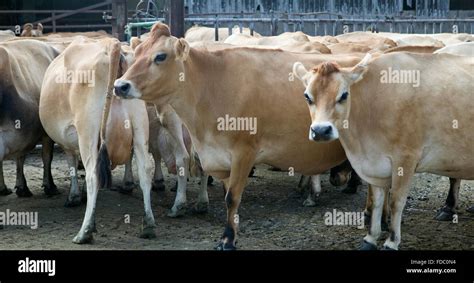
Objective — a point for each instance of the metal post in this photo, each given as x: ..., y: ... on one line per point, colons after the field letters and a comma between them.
x: 177, y: 18
x: 119, y: 16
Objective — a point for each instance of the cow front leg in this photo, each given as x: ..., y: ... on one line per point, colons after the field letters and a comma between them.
x: 398, y: 199
x: 21, y: 188
x: 74, y: 197
x: 314, y: 192
x: 241, y: 166
x: 447, y: 212
x: 49, y: 187
x: 377, y: 196
x: 4, y: 191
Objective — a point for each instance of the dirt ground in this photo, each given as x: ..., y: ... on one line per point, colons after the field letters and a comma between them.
x: 271, y: 215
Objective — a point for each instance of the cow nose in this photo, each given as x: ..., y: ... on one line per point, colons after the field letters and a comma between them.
x: 321, y: 132
x: 122, y: 88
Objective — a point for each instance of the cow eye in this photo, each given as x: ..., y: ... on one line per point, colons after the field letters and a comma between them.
x: 308, y: 99
x: 343, y: 97
x: 160, y: 58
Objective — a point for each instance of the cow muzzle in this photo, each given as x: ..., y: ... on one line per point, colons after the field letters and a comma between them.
x: 125, y: 89
x: 323, y: 132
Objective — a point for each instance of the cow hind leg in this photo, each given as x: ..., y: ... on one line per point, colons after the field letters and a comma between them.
x: 202, y: 204
x: 158, y: 184
x: 447, y: 212
x: 74, y: 197
x: 4, y: 191
x: 182, y: 169
x: 314, y: 191
x: 240, y: 168
x: 128, y: 184
x: 21, y: 188
x: 49, y: 187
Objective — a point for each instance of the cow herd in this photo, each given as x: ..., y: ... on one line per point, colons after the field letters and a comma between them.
x: 382, y: 107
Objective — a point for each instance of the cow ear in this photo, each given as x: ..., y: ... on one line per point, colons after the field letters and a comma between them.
x: 300, y: 72
x: 181, y: 48
x: 357, y: 73
x: 134, y: 42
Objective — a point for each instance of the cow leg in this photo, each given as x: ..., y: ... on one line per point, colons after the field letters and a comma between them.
x: 128, y: 184
x: 202, y: 204
x: 74, y: 197
x: 353, y: 184
x: 377, y: 195
x: 22, y: 189
x: 4, y: 191
x: 182, y: 169
x: 398, y: 199
x: 303, y: 183
x: 158, y: 179
x: 49, y: 187
x: 143, y: 167
x: 314, y: 191
x: 385, y: 213
x: 447, y: 212
x: 88, y: 147
x: 240, y: 168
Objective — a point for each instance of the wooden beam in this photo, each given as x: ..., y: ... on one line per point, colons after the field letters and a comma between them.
x: 119, y: 19
x: 177, y: 18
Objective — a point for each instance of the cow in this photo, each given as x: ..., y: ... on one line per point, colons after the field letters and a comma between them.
x: 6, y: 35
x: 348, y: 47
x: 391, y: 137
x: 372, y: 40
x: 202, y: 87
x: 22, y: 67
x: 198, y: 33
x: 83, y: 118
x: 29, y: 31
x: 462, y: 49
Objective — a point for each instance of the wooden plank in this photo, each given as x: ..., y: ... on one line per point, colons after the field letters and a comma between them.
x: 177, y: 18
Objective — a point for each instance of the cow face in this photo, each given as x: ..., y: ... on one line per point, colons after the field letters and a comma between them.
x: 158, y: 70
x: 327, y: 94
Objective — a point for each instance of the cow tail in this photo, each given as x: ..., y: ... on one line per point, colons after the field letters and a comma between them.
x: 104, y: 173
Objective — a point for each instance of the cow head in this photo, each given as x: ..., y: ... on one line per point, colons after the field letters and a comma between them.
x: 328, y: 96
x: 158, y: 69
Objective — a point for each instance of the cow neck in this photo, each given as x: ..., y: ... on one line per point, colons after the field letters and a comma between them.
x: 350, y: 138
x: 192, y: 96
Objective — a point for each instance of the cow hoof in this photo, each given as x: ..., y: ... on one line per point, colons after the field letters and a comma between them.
x: 225, y: 247
x: 83, y: 239
x: 366, y: 246
x: 75, y: 201
x: 127, y: 188
x: 51, y: 190
x: 5, y: 191
x: 201, y: 207
x: 470, y: 209
x: 444, y: 215
x: 386, y: 248
x: 148, y: 233
x: 158, y: 186
x: 309, y: 202
x: 177, y: 211
x: 350, y: 190
x: 23, y: 192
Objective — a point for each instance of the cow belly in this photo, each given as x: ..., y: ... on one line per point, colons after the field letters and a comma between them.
x: 442, y: 161
x: 13, y: 143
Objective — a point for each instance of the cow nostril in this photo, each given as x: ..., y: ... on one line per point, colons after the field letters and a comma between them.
x: 327, y: 130
x: 125, y: 88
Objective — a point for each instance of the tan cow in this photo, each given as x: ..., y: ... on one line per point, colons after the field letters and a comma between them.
x: 372, y: 40
x: 74, y: 110
x: 22, y: 67
x: 393, y: 132
x: 232, y: 109
x: 348, y: 47
x: 198, y: 33
x: 29, y: 31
